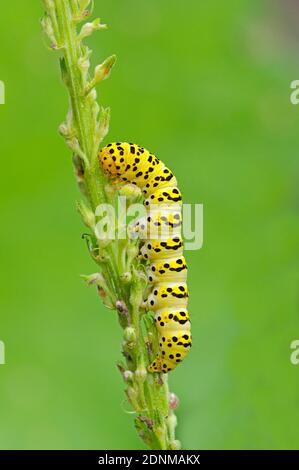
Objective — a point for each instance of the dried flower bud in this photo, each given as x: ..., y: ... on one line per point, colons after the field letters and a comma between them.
x: 147, y: 421
x: 122, y: 308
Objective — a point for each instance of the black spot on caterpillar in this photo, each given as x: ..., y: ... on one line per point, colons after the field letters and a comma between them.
x: 167, y: 269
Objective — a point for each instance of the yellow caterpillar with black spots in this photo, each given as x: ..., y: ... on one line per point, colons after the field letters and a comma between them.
x: 167, y: 269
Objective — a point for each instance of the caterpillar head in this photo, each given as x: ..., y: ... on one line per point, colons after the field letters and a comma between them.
x: 113, y: 158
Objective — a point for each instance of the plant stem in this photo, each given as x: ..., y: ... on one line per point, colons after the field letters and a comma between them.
x: 85, y: 128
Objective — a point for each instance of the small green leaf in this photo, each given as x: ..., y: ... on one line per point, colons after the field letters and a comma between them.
x: 64, y: 71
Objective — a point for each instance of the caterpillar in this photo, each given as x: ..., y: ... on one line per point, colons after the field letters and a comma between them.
x: 166, y: 265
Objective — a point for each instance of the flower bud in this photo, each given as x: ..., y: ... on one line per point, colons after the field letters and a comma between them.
x: 130, y: 334
x: 49, y: 4
x: 110, y: 190
x: 132, y: 251
x: 173, y: 401
x: 96, y: 278
x: 103, y: 126
x: 130, y: 191
x: 103, y: 70
x: 93, y: 95
x: 89, y: 28
x: 63, y: 130
x: 73, y: 144
x: 86, y: 30
x: 133, y: 397
x: 126, y: 277
x: 84, y: 64
x: 176, y: 445
x: 87, y: 215
x: 47, y: 27
x: 172, y: 421
x: 128, y: 375
x: 141, y: 373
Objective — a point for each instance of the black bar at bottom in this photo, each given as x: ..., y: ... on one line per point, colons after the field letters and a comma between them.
x: 131, y: 459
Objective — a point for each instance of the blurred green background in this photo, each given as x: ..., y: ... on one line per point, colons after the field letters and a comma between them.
x: 206, y: 85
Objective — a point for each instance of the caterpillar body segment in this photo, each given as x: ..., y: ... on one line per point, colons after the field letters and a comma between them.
x: 159, y: 249
x: 163, y: 270
x: 159, y: 222
x: 170, y: 294
x: 162, y: 248
x: 175, y: 339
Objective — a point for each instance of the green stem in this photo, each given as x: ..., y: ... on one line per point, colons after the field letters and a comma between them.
x: 148, y: 393
x: 94, y: 178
